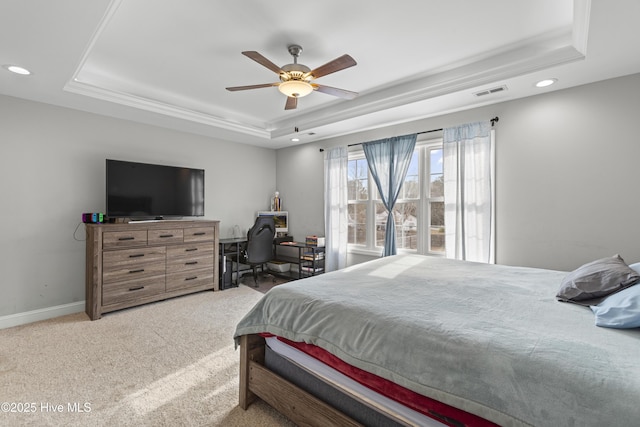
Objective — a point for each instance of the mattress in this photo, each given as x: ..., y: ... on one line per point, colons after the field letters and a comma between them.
x: 384, y: 396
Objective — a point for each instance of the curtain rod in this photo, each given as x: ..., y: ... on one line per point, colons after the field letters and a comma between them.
x: 493, y: 122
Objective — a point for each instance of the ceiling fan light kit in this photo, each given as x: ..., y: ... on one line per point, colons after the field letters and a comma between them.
x: 295, y: 79
x: 295, y: 88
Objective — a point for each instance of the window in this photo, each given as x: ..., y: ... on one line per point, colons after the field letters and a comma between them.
x: 419, y: 210
x: 358, y: 195
x: 405, y: 211
x: 434, y: 200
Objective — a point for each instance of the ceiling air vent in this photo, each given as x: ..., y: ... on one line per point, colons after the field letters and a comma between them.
x: 491, y: 91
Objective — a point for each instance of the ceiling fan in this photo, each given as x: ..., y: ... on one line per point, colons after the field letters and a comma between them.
x: 296, y: 79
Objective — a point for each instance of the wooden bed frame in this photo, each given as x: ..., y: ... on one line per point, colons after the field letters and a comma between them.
x: 257, y: 381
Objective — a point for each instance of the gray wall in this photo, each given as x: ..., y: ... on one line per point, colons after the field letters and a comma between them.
x: 567, y: 174
x: 566, y: 183
x: 52, y: 169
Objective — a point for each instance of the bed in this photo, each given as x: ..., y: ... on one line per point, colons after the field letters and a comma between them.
x: 491, y: 341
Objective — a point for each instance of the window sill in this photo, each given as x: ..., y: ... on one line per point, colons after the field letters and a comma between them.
x: 377, y: 251
x: 364, y: 251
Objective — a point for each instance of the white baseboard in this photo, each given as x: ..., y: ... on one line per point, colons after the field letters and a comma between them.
x: 40, y: 314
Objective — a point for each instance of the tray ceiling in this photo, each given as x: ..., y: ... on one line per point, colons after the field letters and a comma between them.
x: 168, y: 63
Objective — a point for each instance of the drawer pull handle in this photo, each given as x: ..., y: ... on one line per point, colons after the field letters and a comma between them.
x: 164, y: 236
x: 140, y: 270
x: 200, y: 233
x: 136, y: 288
x: 126, y: 238
x: 136, y: 255
x: 191, y: 278
x: 191, y: 263
x: 191, y: 249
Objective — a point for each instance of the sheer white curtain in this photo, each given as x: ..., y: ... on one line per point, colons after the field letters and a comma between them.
x: 335, y: 208
x: 469, y: 192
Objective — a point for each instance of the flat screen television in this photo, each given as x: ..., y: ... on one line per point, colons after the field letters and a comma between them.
x: 148, y: 191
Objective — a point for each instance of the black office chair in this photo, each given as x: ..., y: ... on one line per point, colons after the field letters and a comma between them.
x: 260, y: 244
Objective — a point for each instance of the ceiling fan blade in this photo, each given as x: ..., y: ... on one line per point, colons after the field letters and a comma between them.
x: 292, y: 103
x: 345, y: 61
x: 340, y: 93
x: 262, y: 61
x: 235, y: 88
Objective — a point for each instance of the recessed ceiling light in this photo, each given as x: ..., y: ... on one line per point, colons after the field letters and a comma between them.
x: 18, y: 70
x: 546, y: 82
x: 295, y: 139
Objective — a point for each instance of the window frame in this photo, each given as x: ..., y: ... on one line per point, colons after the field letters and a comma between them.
x: 368, y: 247
x: 427, y: 199
x: 424, y: 145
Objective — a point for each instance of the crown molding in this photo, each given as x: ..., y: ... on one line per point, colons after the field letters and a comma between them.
x: 546, y: 51
x: 537, y: 54
x: 154, y: 106
x: 581, y: 17
x: 489, y: 71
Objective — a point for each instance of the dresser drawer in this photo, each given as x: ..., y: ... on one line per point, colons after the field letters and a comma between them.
x: 114, y: 293
x: 188, y: 279
x: 194, y: 250
x: 187, y: 264
x: 161, y: 237
x: 111, y: 260
x: 120, y: 239
x: 199, y: 234
x: 132, y: 271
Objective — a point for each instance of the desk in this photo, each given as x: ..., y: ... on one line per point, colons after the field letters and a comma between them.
x: 230, y: 246
x: 310, y: 258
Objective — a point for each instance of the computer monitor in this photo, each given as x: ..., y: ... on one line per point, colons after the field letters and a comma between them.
x: 281, y: 219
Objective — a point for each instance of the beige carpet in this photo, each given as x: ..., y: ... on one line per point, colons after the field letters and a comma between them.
x: 266, y: 281
x: 170, y: 363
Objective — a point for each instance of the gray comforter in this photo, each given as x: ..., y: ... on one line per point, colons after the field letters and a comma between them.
x: 489, y: 339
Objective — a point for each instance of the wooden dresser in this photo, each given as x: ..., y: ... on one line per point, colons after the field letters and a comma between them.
x: 137, y: 263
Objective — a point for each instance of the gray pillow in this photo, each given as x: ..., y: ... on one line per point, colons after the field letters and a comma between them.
x: 591, y: 283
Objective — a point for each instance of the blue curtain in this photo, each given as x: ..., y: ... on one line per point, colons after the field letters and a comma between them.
x: 388, y: 161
